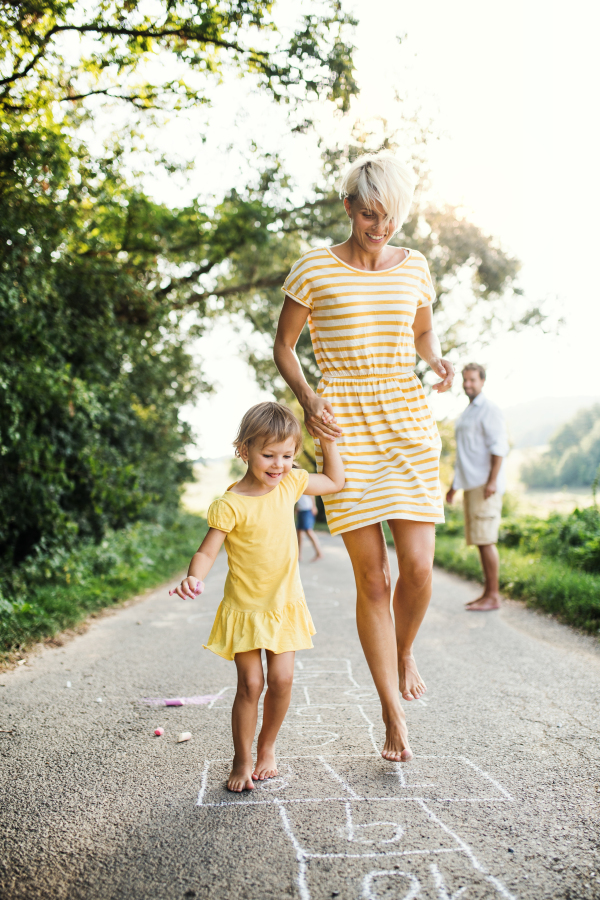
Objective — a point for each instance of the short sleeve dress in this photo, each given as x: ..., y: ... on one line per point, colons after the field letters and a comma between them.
x: 361, y: 329
x: 263, y: 605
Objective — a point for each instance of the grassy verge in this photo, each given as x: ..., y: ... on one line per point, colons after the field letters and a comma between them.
x: 545, y: 583
x: 58, y: 591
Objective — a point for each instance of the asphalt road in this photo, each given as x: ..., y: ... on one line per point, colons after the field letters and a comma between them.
x: 502, y: 798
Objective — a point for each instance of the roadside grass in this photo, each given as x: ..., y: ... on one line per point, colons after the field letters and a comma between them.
x: 57, y: 591
x: 543, y: 582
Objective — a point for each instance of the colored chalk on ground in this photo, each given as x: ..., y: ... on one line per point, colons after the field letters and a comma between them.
x: 176, y: 702
x: 184, y: 736
x: 159, y: 732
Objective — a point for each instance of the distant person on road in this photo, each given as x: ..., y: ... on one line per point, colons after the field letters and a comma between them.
x: 481, y: 445
x: 264, y: 606
x: 369, y: 306
x: 306, y: 511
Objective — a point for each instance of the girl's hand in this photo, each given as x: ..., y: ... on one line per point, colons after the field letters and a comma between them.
x: 445, y: 370
x: 190, y: 588
x: 319, y: 419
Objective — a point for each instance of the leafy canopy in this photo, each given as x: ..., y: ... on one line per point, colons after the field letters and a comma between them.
x: 66, y: 50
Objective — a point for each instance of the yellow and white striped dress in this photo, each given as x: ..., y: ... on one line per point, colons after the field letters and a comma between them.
x: 361, y: 329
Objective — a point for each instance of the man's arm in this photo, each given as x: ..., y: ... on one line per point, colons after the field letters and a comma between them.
x: 491, y: 485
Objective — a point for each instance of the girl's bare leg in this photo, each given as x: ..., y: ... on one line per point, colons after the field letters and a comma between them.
x: 368, y: 553
x: 243, y: 717
x: 415, y: 545
x: 314, y: 541
x: 280, y: 676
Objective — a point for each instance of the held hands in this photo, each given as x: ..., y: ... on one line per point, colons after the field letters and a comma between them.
x: 190, y: 588
x: 319, y: 419
x: 445, y: 370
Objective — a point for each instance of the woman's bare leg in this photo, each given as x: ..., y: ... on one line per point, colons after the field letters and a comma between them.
x: 368, y: 553
x: 280, y: 676
x: 315, y: 542
x: 415, y: 545
x: 243, y: 717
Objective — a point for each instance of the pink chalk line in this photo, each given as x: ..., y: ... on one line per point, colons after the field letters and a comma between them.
x: 180, y: 701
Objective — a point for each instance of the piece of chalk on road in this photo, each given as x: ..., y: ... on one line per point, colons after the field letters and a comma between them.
x: 98, y: 699
x: 68, y: 684
x: 184, y: 736
x: 176, y: 702
x: 159, y: 732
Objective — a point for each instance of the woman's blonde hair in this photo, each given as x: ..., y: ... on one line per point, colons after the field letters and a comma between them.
x: 268, y: 422
x: 380, y: 178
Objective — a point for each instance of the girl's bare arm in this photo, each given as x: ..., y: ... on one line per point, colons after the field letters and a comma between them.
x: 332, y: 479
x: 291, y: 322
x: 201, y: 564
x: 428, y: 347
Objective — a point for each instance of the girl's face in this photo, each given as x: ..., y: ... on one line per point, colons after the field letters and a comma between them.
x: 270, y: 462
x: 369, y: 229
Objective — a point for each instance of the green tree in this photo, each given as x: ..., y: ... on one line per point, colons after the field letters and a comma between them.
x: 165, y: 55
x: 573, y: 454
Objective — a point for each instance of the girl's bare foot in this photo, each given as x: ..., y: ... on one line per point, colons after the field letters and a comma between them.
x: 265, y: 767
x: 412, y: 685
x: 396, y: 748
x: 240, y: 777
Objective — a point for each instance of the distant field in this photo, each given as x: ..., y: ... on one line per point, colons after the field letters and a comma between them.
x: 540, y: 502
x: 212, y: 479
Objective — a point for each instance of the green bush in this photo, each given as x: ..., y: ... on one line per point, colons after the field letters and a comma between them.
x: 548, y: 584
x: 50, y: 592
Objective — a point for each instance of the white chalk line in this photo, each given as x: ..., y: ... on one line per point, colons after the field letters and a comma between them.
x: 338, y: 777
x: 465, y: 847
x: 286, y: 801
x: 440, y: 885
x: 367, y: 894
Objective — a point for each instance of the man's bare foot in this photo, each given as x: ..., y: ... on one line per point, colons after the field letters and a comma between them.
x: 265, y: 767
x: 240, y: 777
x: 318, y: 556
x: 396, y: 748
x: 484, y: 604
x: 412, y: 686
x: 476, y: 600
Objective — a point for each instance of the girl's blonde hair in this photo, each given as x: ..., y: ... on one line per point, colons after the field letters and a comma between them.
x: 268, y: 422
x: 380, y: 178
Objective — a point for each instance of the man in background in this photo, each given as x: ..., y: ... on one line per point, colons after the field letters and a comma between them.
x: 481, y: 445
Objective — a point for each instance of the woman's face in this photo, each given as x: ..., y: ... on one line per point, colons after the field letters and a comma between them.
x: 369, y: 229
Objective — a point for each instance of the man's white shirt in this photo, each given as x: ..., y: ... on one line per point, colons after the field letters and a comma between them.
x: 480, y: 434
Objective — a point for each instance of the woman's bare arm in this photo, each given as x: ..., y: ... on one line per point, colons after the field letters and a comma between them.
x: 291, y: 322
x: 428, y: 347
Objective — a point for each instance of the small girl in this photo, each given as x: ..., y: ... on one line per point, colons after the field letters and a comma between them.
x: 263, y: 607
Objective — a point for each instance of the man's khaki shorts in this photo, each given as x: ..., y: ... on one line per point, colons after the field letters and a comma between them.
x: 482, y: 517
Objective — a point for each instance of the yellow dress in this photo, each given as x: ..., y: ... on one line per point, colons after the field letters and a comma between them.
x: 263, y: 606
x: 361, y: 329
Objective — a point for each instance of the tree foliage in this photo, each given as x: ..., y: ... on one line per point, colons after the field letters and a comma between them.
x: 67, y: 50
x: 573, y: 455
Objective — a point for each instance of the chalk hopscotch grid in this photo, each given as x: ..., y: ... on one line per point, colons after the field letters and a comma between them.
x: 304, y: 855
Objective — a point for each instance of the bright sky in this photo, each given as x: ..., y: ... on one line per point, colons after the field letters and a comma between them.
x: 512, y: 89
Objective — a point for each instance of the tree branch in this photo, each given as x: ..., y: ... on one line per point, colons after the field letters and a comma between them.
x: 267, y: 282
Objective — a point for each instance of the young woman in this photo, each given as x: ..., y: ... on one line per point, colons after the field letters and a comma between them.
x: 369, y: 306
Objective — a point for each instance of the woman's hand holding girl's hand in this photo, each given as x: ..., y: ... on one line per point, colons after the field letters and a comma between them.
x: 190, y: 587
x: 319, y: 419
x: 445, y: 370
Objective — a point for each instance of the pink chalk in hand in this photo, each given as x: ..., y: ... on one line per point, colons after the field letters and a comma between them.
x: 159, y: 732
x: 197, y: 590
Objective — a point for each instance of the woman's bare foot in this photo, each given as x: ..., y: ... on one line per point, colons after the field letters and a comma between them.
x: 396, y: 748
x: 240, y: 777
x: 265, y: 767
x: 484, y: 604
x: 412, y: 685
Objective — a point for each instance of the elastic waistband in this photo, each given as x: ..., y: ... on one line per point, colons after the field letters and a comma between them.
x: 369, y: 376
